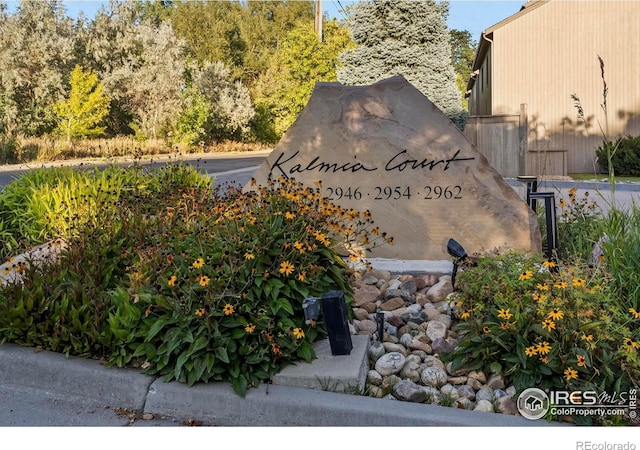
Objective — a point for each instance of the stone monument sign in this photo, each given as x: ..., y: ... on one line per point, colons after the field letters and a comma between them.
x: 387, y: 149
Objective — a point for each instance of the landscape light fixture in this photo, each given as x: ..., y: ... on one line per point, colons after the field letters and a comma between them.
x: 380, y: 322
x: 334, y: 310
x: 455, y: 249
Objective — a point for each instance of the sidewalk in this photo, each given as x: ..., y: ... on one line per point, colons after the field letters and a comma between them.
x: 47, y: 389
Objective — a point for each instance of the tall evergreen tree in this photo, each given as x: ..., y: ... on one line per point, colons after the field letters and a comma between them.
x: 408, y: 38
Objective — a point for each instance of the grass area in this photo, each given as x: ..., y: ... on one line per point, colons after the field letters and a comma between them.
x: 602, y: 177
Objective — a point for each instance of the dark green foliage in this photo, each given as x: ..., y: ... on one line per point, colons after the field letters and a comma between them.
x: 624, y: 155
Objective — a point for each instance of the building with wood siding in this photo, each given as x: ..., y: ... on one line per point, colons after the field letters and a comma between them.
x: 528, y: 66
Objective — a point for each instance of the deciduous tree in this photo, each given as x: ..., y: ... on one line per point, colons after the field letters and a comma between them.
x: 85, y: 108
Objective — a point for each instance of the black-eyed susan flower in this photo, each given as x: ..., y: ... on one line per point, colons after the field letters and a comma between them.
x: 531, y: 351
x: 200, y: 312
x: 171, y: 282
x: 275, y: 348
x: 302, y: 275
x: 548, y: 324
x: 464, y: 315
x: 630, y: 344
x: 555, y: 314
x: 228, y: 309
x: 578, y: 282
x: 582, y: 362
x: 289, y: 215
x: 249, y: 255
x: 298, y: 333
x: 634, y: 313
x: 204, y: 280
x: 504, y: 314
x: 486, y: 329
x: 544, y: 359
x: 250, y: 328
x: 561, y: 284
x: 549, y: 264
x: 543, y: 348
x: 198, y: 263
x: 570, y: 373
x: 525, y: 275
x: 286, y: 268
x: 542, y: 287
x: 587, y: 337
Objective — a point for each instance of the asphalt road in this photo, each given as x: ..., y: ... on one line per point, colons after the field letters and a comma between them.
x: 223, y: 167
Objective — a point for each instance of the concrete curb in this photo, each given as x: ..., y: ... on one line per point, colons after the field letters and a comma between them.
x: 87, y: 381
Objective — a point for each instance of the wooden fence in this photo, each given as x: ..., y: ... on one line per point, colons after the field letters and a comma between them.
x: 503, y: 140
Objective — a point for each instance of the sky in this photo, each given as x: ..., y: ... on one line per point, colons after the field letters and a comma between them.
x: 474, y: 16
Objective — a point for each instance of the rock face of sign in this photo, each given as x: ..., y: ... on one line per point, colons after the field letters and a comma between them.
x: 387, y: 149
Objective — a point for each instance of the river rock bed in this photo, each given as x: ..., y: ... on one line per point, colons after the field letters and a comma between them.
x: 407, y: 364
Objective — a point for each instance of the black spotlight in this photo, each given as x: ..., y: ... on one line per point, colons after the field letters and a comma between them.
x: 459, y: 255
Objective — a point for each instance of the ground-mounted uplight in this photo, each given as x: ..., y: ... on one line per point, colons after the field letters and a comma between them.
x: 334, y: 311
x: 459, y: 254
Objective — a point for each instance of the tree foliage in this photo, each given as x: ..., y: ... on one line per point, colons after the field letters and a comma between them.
x: 86, y: 107
x: 463, y: 50
x: 408, y: 38
x: 37, y: 53
x: 301, y: 61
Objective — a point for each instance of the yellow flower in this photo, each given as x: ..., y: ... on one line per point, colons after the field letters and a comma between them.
x: 299, y: 246
x: 561, y: 284
x: 542, y: 287
x: 250, y: 328
x: 544, y: 359
x: 5, y: 271
x: 486, y: 329
x: 298, y: 333
x: 204, y: 280
x: 200, y: 312
x: 464, y: 315
x: 543, y: 348
x: 570, y: 373
x: 525, y: 275
x: 581, y: 361
x: 563, y: 203
x: 556, y: 314
x: 198, y: 263
x: 548, y: 324
x: 286, y: 268
x: 302, y: 276
x: 228, y: 309
x: 634, y: 313
x: 578, y: 282
x: 249, y: 255
x: 587, y: 337
x: 531, y: 351
x: 289, y: 215
x: 630, y: 344
x: 504, y: 314
x: 549, y: 264
x: 172, y: 281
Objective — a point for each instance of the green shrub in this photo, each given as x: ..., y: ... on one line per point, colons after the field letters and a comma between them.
x: 187, y: 282
x: 624, y: 155
x: 545, y: 326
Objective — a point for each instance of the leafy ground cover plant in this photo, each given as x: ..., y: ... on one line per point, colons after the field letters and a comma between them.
x: 188, y: 282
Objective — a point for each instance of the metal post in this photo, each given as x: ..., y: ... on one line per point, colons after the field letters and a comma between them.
x: 532, y: 186
x: 334, y: 309
x: 550, y: 216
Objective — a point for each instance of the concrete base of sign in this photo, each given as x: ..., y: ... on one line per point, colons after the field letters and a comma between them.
x: 436, y: 267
